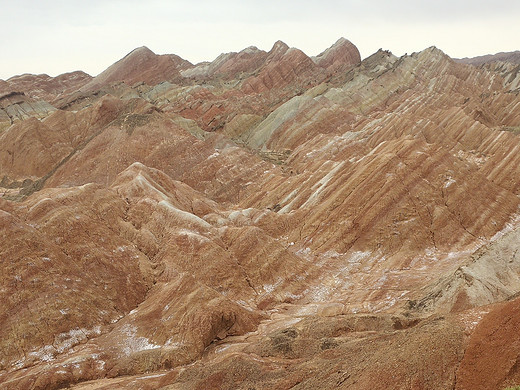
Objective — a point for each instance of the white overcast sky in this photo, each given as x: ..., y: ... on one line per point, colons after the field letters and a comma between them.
x: 57, y: 36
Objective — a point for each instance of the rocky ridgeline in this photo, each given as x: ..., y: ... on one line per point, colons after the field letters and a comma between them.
x: 265, y: 220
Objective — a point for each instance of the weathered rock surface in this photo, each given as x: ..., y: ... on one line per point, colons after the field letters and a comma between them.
x: 140, y: 66
x: 495, y: 339
x: 44, y: 87
x: 340, y: 55
x: 266, y: 220
x: 16, y: 106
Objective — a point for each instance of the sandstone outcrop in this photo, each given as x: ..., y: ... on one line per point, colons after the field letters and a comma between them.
x: 342, y: 54
x: 140, y: 66
x: 44, y: 87
x: 266, y: 220
x: 16, y: 106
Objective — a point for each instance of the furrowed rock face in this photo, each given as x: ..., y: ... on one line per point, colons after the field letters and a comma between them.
x: 44, y: 87
x: 229, y: 65
x: 342, y: 54
x: 16, y: 106
x: 140, y: 65
x: 266, y: 220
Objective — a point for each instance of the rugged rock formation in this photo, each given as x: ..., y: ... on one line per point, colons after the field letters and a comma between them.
x: 266, y: 220
x: 15, y: 106
x: 140, y: 66
x: 506, y: 64
x: 44, y: 87
x: 229, y: 65
x: 342, y: 53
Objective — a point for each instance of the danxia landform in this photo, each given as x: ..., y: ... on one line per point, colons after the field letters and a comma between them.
x: 267, y: 220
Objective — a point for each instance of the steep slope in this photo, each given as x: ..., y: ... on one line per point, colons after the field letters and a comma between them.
x: 162, y: 242
x: 343, y: 54
x: 266, y: 220
x: 140, y: 66
x: 284, y: 66
x: 393, y: 183
x: 495, y: 339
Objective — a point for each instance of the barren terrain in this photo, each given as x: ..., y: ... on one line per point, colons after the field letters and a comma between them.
x: 268, y: 220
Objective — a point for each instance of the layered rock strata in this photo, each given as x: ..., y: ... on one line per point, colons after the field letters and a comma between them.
x: 266, y: 220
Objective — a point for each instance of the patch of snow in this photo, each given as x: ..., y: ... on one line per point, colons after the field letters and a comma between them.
x: 100, y: 365
x: 134, y: 343
x: 269, y: 288
x: 19, y: 363
x: 449, y: 182
x: 358, y: 256
x: 151, y: 376
x: 293, y: 296
x: 331, y: 254
x: 381, y: 281
x: 304, y: 252
x: 245, y: 305
x: 222, y: 348
x: 319, y: 293
x: 176, y: 344
x: 45, y: 354
x: 509, y: 226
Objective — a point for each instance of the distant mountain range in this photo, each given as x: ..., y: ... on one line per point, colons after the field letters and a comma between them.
x: 512, y: 57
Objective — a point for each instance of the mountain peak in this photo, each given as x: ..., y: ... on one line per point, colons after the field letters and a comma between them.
x: 280, y: 45
x: 341, y: 53
x: 141, y: 51
x: 278, y: 50
x: 140, y: 65
x: 250, y: 50
x: 432, y: 53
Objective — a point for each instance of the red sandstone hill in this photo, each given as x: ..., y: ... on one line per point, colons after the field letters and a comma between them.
x: 267, y: 220
x: 140, y: 66
x: 44, y: 87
